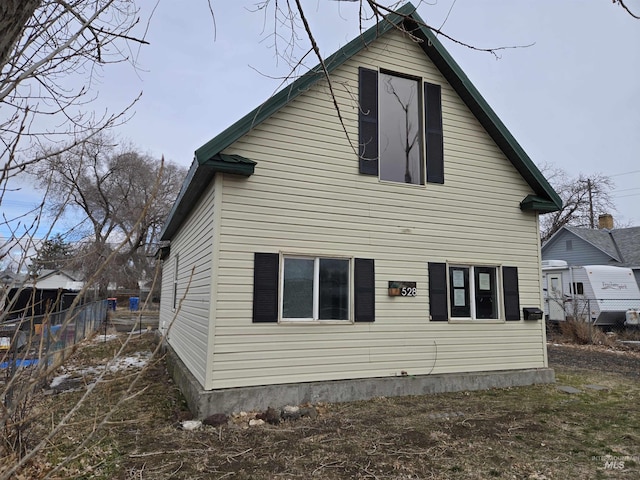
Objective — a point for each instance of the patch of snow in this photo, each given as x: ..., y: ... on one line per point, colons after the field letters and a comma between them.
x: 190, y: 425
x: 89, y: 371
x: 104, y: 338
x: 58, y: 380
x: 137, y: 360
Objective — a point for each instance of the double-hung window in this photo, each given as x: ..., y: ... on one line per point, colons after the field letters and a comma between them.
x: 315, y: 288
x: 473, y: 292
x: 400, y: 128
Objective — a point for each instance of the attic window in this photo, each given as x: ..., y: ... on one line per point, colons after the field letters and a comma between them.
x: 400, y: 132
x: 569, y: 245
x: 400, y: 128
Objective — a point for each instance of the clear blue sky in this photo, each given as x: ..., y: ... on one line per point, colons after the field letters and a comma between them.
x: 571, y: 99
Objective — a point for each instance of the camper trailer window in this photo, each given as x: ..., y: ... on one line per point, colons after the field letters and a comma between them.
x: 577, y: 288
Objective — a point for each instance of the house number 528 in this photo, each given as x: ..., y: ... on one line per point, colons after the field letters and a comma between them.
x: 408, y: 291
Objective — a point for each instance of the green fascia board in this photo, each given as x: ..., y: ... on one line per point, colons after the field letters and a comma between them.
x: 445, y: 63
x: 197, y: 179
x: 538, y: 204
x: 163, y: 252
x: 208, y: 154
x: 235, y: 164
x: 481, y: 109
x: 287, y: 94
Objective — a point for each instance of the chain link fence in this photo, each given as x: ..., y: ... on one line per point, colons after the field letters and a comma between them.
x: 598, y: 311
x: 49, y: 338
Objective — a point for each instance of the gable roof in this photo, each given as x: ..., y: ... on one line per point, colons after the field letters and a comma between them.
x: 203, y: 168
x: 621, y: 244
x: 47, y: 273
x: 600, y: 239
x: 628, y: 242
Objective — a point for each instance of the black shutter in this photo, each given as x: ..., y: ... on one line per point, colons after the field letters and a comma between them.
x: 511, y: 293
x: 438, y: 305
x: 433, y: 133
x: 265, y: 287
x: 364, y: 290
x: 368, y: 121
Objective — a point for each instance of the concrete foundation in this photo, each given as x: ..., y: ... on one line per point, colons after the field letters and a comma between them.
x: 203, y: 403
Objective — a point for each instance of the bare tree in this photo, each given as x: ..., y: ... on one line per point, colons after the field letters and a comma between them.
x: 51, y: 52
x: 114, y: 192
x: 584, y: 198
x: 51, y: 56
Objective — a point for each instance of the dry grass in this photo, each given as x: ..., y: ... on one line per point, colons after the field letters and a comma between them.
x: 584, y: 333
x: 524, y: 433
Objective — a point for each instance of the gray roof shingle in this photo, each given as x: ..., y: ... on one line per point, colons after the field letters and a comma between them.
x: 621, y: 244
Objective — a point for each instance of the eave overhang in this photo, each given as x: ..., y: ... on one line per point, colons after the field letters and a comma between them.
x: 198, y: 179
x: 209, y: 159
x: 537, y: 204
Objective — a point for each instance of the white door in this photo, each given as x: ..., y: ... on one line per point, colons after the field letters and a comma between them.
x: 555, y: 296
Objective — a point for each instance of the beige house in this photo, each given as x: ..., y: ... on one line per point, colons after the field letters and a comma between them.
x: 306, y: 264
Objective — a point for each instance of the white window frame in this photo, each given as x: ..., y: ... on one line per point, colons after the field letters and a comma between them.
x: 500, y: 317
x: 316, y: 289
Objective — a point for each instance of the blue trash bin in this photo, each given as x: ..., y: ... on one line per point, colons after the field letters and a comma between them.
x: 133, y: 303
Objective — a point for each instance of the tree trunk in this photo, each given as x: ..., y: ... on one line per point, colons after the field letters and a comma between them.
x: 14, y: 14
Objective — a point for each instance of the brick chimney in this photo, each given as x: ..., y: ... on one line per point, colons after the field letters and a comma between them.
x: 605, y: 221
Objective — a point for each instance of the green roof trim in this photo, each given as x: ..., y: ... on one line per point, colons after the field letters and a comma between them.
x: 485, y: 114
x: 231, y: 164
x: 302, y: 84
x: 197, y: 180
x: 538, y: 204
x: 209, y: 158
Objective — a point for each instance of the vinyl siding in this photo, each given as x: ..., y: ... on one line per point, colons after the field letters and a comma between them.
x: 581, y: 252
x: 307, y: 197
x: 189, y: 324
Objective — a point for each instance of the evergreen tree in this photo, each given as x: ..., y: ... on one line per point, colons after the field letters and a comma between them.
x: 54, y: 253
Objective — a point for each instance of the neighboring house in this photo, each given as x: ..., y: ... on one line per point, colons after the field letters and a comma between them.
x: 290, y: 251
x: 11, y: 279
x: 606, y: 246
x: 49, y: 291
x: 54, y: 279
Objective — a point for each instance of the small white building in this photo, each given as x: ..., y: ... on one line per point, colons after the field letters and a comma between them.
x: 57, y: 279
x: 306, y: 265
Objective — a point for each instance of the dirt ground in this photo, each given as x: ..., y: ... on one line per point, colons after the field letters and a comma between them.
x: 623, y: 360
x: 535, y: 432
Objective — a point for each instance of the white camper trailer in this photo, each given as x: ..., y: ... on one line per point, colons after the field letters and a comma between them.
x: 601, y: 294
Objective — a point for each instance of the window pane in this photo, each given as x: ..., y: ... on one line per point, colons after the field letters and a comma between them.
x: 486, y: 300
x: 297, y: 298
x: 334, y: 289
x: 400, y: 130
x: 459, y: 292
